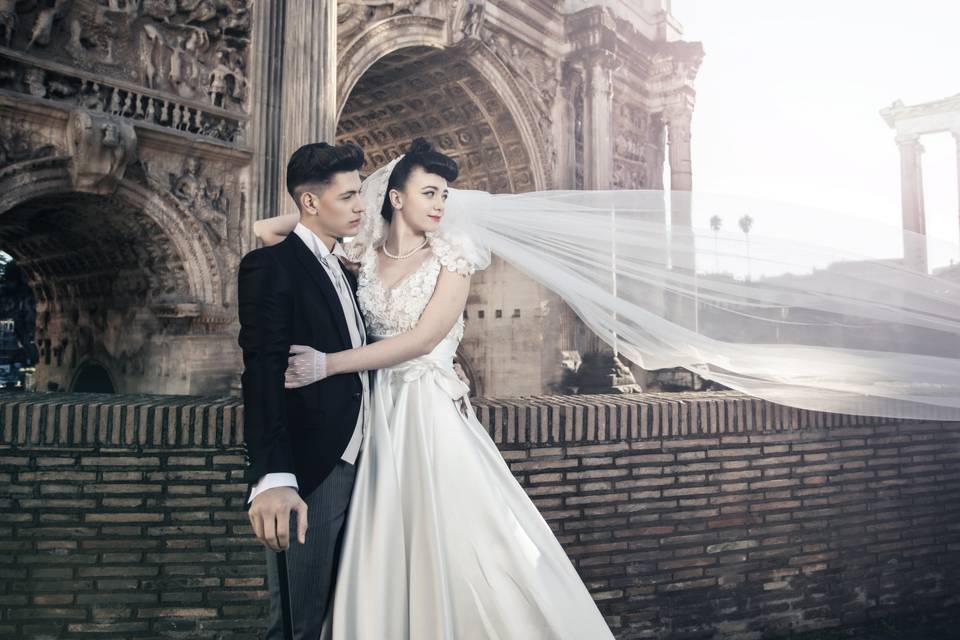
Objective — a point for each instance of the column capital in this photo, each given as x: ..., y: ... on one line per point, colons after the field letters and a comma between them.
x: 678, y: 114
x: 603, y: 59
x: 907, y: 140
x: 600, y: 66
x: 678, y: 119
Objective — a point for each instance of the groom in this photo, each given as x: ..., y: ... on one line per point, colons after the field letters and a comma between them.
x: 303, y: 443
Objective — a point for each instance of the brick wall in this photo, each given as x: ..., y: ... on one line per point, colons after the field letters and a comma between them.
x: 689, y: 515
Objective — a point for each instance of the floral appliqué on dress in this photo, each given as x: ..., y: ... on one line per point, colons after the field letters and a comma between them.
x: 389, y: 313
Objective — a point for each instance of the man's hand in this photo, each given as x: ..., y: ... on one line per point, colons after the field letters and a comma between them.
x: 270, y: 517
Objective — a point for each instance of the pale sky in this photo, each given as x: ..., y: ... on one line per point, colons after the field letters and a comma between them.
x: 788, y: 99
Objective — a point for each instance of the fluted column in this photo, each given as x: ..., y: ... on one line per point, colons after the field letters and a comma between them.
x: 681, y: 309
x: 597, y: 141
x: 678, y: 140
x: 681, y: 171
x: 266, y: 79
x: 956, y: 138
x: 571, y: 92
x: 911, y: 197
x: 309, y: 78
x: 601, y: 371
x: 598, y: 121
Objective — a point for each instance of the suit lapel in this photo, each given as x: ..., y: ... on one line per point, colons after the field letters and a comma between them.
x: 352, y: 281
x: 322, y: 280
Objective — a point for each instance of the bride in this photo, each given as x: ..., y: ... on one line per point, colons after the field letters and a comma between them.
x: 441, y: 542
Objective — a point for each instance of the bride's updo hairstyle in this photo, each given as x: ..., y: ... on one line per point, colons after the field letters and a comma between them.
x: 423, y: 155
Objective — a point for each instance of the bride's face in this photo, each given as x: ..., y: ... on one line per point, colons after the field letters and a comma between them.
x: 422, y: 202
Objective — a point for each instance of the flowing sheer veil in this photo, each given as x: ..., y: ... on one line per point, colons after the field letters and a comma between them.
x: 373, y: 228
x: 780, y: 307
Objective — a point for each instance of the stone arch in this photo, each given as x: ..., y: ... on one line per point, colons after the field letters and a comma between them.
x: 401, y: 33
x: 402, y: 78
x: 46, y: 178
x: 93, y: 377
x: 128, y: 279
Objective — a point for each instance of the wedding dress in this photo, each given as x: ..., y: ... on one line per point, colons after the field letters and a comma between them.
x: 441, y: 540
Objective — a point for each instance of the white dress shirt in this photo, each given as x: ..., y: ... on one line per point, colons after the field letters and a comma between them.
x: 351, y: 312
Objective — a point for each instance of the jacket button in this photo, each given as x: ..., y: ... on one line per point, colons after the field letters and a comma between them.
x: 356, y: 396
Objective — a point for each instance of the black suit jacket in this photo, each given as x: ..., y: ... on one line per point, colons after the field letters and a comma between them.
x: 285, y: 297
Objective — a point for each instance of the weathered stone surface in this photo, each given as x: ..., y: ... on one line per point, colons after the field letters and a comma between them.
x: 140, y: 140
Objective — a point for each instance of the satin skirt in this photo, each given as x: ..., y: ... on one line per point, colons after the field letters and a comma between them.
x: 441, y: 540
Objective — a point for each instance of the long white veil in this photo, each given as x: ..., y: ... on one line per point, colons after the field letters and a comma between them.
x: 788, y: 304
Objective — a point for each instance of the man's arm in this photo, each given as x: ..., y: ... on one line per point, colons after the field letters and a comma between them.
x: 265, y: 304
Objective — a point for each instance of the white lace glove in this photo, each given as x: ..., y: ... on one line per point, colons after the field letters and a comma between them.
x: 305, y: 366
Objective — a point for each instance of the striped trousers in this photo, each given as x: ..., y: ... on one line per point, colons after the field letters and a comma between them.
x: 312, y: 567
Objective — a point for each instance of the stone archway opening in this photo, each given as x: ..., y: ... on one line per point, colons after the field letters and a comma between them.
x: 98, y: 269
x: 439, y: 95
x: 92, y: 377
x: 420, y: 91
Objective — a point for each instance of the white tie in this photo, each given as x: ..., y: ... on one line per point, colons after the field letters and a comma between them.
x: 333, y: 266
x: 346, y: 297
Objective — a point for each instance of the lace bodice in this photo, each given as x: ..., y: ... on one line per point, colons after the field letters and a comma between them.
x: 388, y: 313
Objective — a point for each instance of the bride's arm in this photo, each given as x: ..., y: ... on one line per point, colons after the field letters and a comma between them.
x: 443, y: 310
x: 276, y: 229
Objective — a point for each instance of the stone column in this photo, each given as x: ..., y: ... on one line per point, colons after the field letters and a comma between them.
x: 681, y: 177
x: 598, y: 140
x: 601, y: 371
x: 598, y: 144
x: 569, y: 94
x: 681, y: 309
x: 911, y: 197
x: 598, y: 121
x: 266, y: 112
x: 678, y: 139
x: 309, y: 79
x: 956, y: 137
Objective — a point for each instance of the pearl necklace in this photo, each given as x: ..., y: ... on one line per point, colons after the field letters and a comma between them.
x: 404, y: 256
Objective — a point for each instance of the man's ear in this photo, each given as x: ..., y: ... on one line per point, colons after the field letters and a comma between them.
x: 308, y: 202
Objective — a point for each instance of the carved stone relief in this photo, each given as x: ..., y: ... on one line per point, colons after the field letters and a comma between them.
x: 18, y: 143
x: 146, y: 106
x: 539, y: 74
x: 632, y: 148
x: 471, y: 24
x: 100, y: 149
x: 354, y: 15
x: 205, y: 198
x: 191, y: 49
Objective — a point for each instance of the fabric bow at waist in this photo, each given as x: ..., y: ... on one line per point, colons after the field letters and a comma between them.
x: 441, y: 372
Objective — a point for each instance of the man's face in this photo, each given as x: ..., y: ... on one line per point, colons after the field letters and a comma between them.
x: 336, y: 207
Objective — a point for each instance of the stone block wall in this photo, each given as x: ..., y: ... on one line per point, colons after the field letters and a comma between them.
x: 688, y: 515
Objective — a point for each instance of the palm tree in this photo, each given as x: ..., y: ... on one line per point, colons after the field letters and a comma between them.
x: 745, y: 223
x: 715, y: 223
